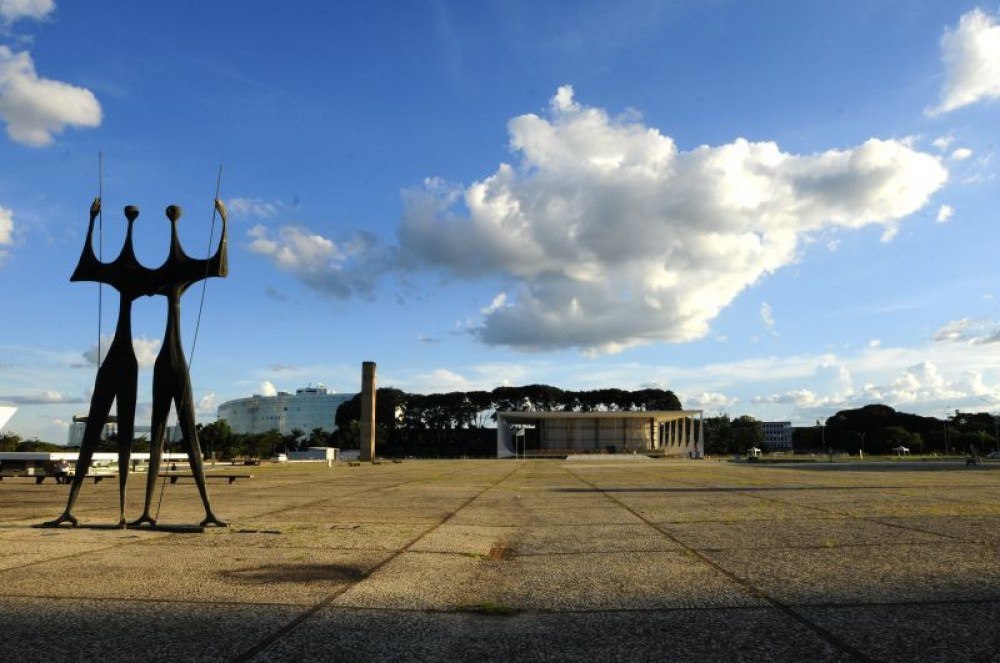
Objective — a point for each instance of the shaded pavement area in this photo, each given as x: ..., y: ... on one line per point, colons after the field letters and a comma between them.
x: 516, y: 560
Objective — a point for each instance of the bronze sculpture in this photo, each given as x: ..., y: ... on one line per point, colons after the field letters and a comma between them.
x: 117, y: 377
x: 171, y: 379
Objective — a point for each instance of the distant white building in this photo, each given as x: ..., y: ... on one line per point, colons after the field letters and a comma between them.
x: 777, y: 435
x: 306, y: 409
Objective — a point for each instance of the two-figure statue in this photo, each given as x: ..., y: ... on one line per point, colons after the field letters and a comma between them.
x: 117, y: 377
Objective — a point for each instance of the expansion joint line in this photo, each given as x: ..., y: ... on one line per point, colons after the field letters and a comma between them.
x: 292, y: 625
x: 851, y: 516
x: 742, y: 582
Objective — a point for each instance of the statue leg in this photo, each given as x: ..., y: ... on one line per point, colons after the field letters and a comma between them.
x: 161, y: 409
x: 126, y: 432
x: 100, y: 406
x: 185, y: 417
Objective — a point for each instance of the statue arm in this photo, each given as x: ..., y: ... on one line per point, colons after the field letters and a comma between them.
x: 89, y: 268
x: 219, y: 263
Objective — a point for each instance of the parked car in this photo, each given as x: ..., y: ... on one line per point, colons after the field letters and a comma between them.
x: 993, y: 455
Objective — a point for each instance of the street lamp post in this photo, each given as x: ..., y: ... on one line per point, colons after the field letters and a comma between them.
x: 861, y: 435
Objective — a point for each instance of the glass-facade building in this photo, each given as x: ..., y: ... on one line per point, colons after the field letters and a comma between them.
x: 306, y: 409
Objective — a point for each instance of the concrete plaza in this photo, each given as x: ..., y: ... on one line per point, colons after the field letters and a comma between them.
x: 518, y: 560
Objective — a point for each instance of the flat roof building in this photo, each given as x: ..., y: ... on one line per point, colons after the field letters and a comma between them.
x: 777, y: 435
x: 666, y: 432
x: 306, y: 409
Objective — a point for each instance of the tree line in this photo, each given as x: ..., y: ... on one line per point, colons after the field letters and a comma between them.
x: 454, y: 424
x: 457, y: 424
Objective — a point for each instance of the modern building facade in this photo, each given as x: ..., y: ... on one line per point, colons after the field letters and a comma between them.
x: 79, y: 425
x: 777, y: 435
x: 306, y: 409
x: 668, y: 432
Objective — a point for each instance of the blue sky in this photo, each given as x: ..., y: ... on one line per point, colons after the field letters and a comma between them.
x: 782, y: 209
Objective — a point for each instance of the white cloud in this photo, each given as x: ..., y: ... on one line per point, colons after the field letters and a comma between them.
x: 971, y: 54
x: 961, y: 154
x: 37, y: 108
x: 206, y: 405
x: 145, y: 349
x: 253, y: 208
x: 944, y: 213
x: 498, y: 302
x: 340, y: 269
x: 767, y: 316
x: 267, y: 389
x: 968, y: 331
x: 6, y: 231
x: 613, y: 237
x: 12, y: 10
x: 942, y: 142
x: 707, y: 400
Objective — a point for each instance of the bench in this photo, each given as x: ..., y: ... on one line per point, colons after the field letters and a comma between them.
x: 174, y: 476
x: 39, y: 478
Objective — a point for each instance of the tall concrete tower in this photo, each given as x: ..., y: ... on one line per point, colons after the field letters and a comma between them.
x: 368, y: 411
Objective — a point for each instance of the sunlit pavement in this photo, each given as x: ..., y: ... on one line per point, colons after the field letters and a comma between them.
x: 517, y: 560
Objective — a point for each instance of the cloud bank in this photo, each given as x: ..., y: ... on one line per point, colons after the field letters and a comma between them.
x: 12, y: 10
x: 612, y: 237
x: 971, y: 54
x: 36, y: 109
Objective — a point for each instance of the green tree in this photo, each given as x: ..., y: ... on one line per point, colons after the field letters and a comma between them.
x: 217, y: 439
x: 747, y: 432
x: 9, y: 441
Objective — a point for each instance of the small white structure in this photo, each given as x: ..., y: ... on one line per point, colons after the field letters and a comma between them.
x: 901, y: 450
x: 314, y: 454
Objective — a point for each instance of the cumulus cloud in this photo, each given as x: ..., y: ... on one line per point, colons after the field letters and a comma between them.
x: 340, y: 269
x: 267, y: 389
x: 206, y: 405
x: 36, y: 108
x: 971, y: 54
x: 968, y: 331
x: 944, y: 213
x: 145, y: 349
x: 707, y: 400
x: 613, y: 237
x: 831, y: 384
x: 12, y: 10
x: 919, y: 383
